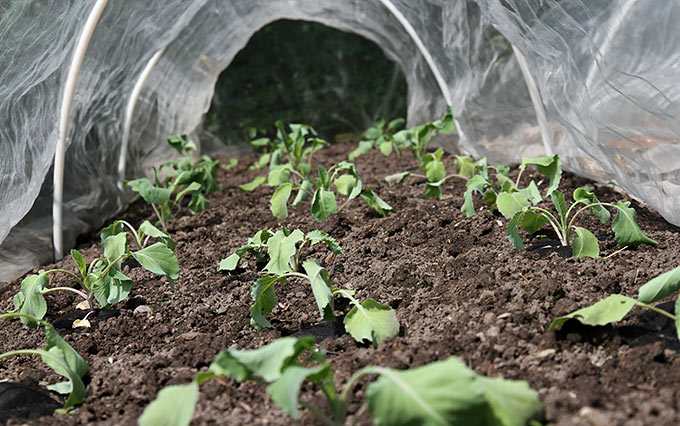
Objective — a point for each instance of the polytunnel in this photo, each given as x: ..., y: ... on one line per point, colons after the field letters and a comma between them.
x: 595, y: 82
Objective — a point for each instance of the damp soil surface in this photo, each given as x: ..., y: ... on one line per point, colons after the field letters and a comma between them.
x: 457, y: 285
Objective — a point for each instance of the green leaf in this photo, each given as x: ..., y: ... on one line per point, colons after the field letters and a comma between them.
x: 548, y: 166
x: 115, y: 228
x: 198, y: 203
x: 303, y: 192
x: 386, y: 148
x: 158, y: 259
x: 659, y: 287
x: 532, y: 193
x: 261, y: 162
x: 513, y: 231
x: 321, y: 288
x: 477, y: 183
x: 174, y: 406
x: 434, y: 169
x: 585, y: 243
x: 278, y: 202
x: 510, y: 203
x: 611, y: 309
x: 376, y: 202
x: 397, y: 178
x: 265, y: 300
x: 34, y: 303
x: 114, y: 247
x: 250, y: 186
x: 323, y: 204
x: 279, y: 175
x: 323, y: 177
x: 370, y: 320
x: 260, y: 142
x: 396, y: 123
x: 281, y: 249
x: 465, y: 166
x: 151, y: 194
x: 626, y: 229
x: 449, y: 393
x: 267, y: 362
x: 512, y: 402
x: 65, y: 361
x: 560, y: 204
x: 284, y: 391
x: 147, y: 229
x: 364, y: 148
x: 533, y: 221
x: 230, y: 263
x: 345, y: 184
x: 80, y: 261
x: 584, y: 196
x: 317, y: 236
x: 191, y: 188
x: 433, y: 190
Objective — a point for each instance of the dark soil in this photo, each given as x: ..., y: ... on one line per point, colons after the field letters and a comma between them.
x: 458, y: 287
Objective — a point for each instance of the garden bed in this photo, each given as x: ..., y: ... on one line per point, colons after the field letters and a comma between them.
x: 456, y: 283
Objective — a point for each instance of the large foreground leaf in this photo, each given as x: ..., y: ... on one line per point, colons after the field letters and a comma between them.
x: 174, y: 406
x: 660, y: 287
x: 65, y: 361
x: 448, y: 393
x: 606, y: 311
x: 286, y: 389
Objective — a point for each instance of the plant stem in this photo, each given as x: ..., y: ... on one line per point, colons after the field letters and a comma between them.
x: 106, y: 270
x: 657, y: 310
x: 21, y: 352
x: 344, y: 205
x: 77, y: 278
x: 134, y: 233
x: 73, y: 290
x: 319, y: 414
x: 11, y: 315
x: 562, y: 235
x: 160, y: 218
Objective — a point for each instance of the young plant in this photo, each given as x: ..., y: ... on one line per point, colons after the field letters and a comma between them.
x: 369, y: 320
x: 549, y: 166
x: 523, y: 211
x: 103, y: 279
x: 440, y: 393
x: 290, y: 170
x: 615, y: 307
x: 59, y: 356
x: 380, y: 137
x: 435, y: 172
x: 182, y: 177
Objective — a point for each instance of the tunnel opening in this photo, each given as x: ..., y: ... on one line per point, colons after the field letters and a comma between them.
x: 305, y: 72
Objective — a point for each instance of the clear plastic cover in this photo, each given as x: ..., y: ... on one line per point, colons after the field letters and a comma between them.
x: 605, y: 71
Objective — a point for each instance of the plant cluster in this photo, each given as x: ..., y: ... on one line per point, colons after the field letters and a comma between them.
x: 441, y: 393
x: 380, y: 136
x: 290, y: 170
x: 102, y: 280
x: 182, y: 177
x: 282, y: 250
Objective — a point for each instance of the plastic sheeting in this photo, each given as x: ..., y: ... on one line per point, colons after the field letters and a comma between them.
x: 606, y: 72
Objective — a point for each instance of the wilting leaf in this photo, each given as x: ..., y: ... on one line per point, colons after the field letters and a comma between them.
x: 317, y: 236
x: 285, y: 390
x: 250, y: 186
x: 371, y: 321
x: 321, y: 288
x: 626, y: 229
x: 376, y: 202
x: 265, y: 300
x: 323, y: 204
x: 611, y: 309
x: 279, y: 201
x: 158, y: 259
x: 510, y: 203
x: 281, y: 249
x: 586, y: 197
x: 33, y: 301
x: 585, y: 243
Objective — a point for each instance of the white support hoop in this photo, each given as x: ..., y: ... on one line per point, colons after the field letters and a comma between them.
x: 129, y: 113
x: 66, y: 103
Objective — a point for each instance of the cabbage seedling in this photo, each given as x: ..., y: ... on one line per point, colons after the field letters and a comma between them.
x: 523, y: 212
x: 183, y: 177
x: 440, y: 393
x: 102, y: 280
x: 60, y: 357
x: 380, y: 136
x: 369, y: 320
x: 297, y: 148
x: 615, y: 307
